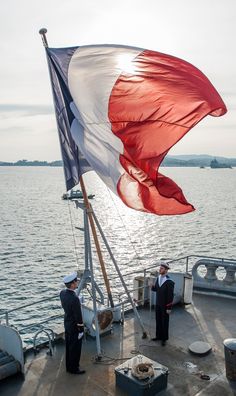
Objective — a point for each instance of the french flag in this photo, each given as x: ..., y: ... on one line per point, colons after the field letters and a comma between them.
x: 119, y: 110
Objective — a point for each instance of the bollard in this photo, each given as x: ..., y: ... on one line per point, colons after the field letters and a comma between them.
x: 230, y: 358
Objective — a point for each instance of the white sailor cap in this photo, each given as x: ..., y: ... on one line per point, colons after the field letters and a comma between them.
x: 70, y: 278
x: 165, y: 265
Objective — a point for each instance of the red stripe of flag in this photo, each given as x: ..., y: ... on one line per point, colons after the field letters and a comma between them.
x: 150, y: 111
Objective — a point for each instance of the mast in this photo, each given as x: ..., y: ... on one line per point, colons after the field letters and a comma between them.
x: 95, y: 237
x: 43, y: 32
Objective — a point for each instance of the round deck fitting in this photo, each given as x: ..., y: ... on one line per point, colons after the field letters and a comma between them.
x: 200, y: 348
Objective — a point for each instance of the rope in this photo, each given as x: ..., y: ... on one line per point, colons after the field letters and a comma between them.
x: 108, y: 360
x: 142, y: 371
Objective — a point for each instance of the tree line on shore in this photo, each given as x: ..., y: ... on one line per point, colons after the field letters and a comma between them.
x: 25, y: 162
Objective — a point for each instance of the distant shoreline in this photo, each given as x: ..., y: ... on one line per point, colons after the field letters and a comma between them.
x: 201, y: 161
x: 32, y: 163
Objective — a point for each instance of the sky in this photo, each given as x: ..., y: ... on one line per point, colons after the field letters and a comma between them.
x: 201, y: 32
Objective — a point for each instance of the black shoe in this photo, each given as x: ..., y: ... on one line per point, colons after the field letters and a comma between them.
x: 163, y: 343
x: 155, y: 339
x: 78, y: 372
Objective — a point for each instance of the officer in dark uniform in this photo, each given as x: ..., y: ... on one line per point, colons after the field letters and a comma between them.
x: 164, y: 288
x: 73, y: 323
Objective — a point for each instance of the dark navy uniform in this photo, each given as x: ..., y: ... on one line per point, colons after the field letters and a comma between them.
x: 73, y: 316
x: 164, y: 301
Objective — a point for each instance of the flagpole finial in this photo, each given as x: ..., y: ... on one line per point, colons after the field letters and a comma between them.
x: 43, y: 32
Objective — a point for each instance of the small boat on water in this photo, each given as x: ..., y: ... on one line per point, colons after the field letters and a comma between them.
x: 76, y: 194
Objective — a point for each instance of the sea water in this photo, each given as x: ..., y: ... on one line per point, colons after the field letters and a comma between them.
x: 41, y: 237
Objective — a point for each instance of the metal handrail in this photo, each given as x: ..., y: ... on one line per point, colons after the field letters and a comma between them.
x: 7, y: 312
x: 51, y: 342
x: 28, y: 305
x: 42, y: 322
x: 193, y: 256
x: 186, y: 258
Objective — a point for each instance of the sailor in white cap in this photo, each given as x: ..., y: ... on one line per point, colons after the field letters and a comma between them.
x: 164, y: 288
x: 69, y: 278
x: 73, y: 323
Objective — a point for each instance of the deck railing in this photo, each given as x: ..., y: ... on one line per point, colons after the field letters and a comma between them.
x: 210, y: 274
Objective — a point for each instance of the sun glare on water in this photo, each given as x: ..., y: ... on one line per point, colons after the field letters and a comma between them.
x: 125, y: 63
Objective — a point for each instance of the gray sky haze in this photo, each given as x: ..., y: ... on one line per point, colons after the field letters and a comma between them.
x: 201, y: 32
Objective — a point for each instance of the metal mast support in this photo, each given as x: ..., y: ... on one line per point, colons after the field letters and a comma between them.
x: 93, y: 283
x: 98, y: 250
x: 86, y: 277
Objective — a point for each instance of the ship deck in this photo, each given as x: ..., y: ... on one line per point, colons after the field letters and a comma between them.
x: 209, y: 318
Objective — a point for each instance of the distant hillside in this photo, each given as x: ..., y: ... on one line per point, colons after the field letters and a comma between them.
x: 171, y: 160
x: 196, y: 160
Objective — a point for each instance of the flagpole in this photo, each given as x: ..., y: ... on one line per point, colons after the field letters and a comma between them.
x: 95, y: 237
x: 42, y: 33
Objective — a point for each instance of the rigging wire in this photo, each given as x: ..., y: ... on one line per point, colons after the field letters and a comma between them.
x: 126, y: 230
x: 73, y: 234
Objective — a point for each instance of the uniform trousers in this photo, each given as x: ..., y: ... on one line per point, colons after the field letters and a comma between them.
x: 162, y: 323
x: 73, y: 351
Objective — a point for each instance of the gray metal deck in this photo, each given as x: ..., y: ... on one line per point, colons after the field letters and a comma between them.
x: 209, y: 318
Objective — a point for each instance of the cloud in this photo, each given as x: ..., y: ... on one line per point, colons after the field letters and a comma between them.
x: 24, y: 110
x: 33, y: 136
